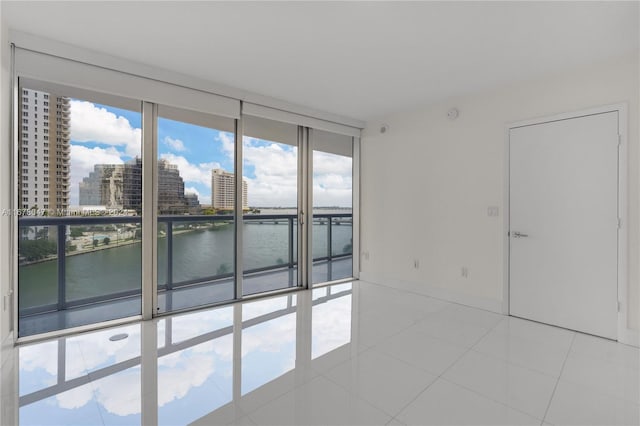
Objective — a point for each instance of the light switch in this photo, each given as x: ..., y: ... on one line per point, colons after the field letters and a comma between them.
x: 493, y: 211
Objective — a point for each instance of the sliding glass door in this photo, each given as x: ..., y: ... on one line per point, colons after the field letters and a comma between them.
x: 270, y: 199
x: 332, y: 188
x: 195, y: 201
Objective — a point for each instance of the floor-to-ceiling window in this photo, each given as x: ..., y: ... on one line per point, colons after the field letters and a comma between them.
x: 195, y: 202
x: 270, y: 175
x: 332, y: 231
x: 140, y: 198
x: 80, y: 199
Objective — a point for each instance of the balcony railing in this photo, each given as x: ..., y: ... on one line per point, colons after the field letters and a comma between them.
x: 171, y: 224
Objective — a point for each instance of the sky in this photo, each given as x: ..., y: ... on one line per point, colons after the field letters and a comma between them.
x: 106, y: 135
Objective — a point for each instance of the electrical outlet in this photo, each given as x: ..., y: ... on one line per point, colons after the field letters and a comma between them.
x: 464, y: 271
x: 493, y: 211
x: 416, y: 263
x: 365, y: 255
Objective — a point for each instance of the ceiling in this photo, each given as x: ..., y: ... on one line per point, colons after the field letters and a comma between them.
x: 358, y: 59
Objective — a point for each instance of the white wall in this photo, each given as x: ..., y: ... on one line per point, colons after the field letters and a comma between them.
x: 427, y: 183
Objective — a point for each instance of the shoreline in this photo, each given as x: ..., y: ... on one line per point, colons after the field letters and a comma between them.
x: 113, y: 245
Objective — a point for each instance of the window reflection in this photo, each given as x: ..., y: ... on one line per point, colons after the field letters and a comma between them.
x: 40, y: 366
x: 96, y: 377
x: 268, y: 351
x: 195, y: 381
x: 331, y: 322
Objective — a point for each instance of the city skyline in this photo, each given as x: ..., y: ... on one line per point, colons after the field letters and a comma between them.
x: 103, y: 134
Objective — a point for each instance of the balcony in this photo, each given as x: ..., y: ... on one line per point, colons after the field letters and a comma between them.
x: 88, y: 269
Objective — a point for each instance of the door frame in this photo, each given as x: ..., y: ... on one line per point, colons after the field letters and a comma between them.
x: 624, y: 335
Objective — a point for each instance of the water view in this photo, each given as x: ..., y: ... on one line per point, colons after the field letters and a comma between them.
x: 199, y: 251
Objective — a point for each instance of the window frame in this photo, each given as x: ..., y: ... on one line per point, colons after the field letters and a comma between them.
x: 87, y: 84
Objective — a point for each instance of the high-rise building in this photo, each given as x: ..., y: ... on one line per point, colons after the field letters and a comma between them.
x: 171, y: 199
x: 223, y: 190
x: 103, y: 187
x: 120, y: 186
x: 43, y: 166
x: 132, y: 185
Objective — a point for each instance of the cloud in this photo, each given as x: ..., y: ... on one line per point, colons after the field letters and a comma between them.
x: 228, y: 144
x: 188, y: 371
x: 326, y: 163
x: 83, y: 160
x: 275, y: 169
x: 332, y: 180
x: 98, y: 351
x: 271, y: 336
x: 33, y: 357
x: 174, y: 144
x: 121, y: 393
x: 272, y: 166
x: 195, y: 173
x: 191, y: 190
x: 75, y: 398
x: 90, y: 123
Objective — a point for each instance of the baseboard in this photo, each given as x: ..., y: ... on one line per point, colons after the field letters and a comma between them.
x: 627, y: 336
x: 446, y: 294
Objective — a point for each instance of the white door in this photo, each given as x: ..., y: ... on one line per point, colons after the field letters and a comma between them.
x: 564, y: 223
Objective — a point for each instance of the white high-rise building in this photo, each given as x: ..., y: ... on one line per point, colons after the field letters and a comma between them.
x: 223, y: 189
x: 43, y: 162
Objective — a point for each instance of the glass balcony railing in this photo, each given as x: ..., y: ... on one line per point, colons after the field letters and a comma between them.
x: 69, y: 262
x: 64, y: 261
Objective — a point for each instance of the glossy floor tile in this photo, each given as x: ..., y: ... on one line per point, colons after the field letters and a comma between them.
x: 445, y: 403
x: 526, y: 390
x: 354, y: 353
x: 388, y: 388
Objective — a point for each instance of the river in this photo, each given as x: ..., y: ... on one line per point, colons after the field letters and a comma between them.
x: 197, y: 254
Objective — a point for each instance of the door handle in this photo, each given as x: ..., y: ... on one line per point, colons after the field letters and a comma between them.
x: 519, y: 235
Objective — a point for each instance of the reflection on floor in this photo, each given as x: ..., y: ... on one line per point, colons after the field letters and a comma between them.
x: 181, y: 298
x: 356, y: 353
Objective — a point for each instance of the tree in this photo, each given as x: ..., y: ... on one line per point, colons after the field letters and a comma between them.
x: 37, y: 249
x: 95, y: 242
x: 77, y: 231
x: 106, y: 241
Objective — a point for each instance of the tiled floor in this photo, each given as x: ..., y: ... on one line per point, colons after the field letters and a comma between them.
x: 347, y: 354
